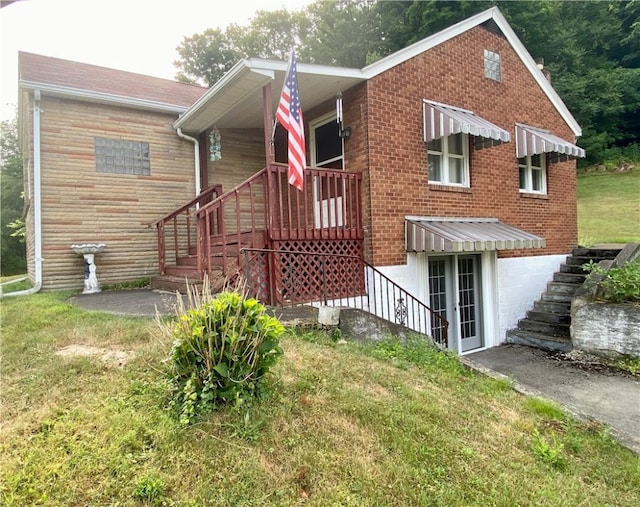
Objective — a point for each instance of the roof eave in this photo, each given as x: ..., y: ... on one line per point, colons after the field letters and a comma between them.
x: 105, y: 98
x: 494, y: 13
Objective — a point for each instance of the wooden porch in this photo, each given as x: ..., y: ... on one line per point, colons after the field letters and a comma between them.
x: 210, y: 234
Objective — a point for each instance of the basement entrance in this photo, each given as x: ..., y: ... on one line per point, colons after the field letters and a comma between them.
x: 455, y: 292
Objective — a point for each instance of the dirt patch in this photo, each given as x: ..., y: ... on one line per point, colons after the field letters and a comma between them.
x: 113, y: 357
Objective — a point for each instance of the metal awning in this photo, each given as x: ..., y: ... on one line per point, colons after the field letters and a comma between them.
x: 441, y: 120
x: 428, y: 234
x: 534, y: 141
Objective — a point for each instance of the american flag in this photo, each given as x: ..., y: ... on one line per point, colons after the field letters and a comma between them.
x: 289, y: 114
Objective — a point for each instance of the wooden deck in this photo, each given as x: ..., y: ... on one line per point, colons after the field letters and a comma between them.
x: 208, y: 235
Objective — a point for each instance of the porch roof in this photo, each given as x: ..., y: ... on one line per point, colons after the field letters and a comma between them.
x: 429, y: 234
x: 235, y: 101
x: 534, y: 141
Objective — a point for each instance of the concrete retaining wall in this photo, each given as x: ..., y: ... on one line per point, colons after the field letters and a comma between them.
x: 605, y: 329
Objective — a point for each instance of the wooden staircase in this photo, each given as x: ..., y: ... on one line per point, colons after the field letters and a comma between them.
x: 208, y: 235
x: 548, y: 324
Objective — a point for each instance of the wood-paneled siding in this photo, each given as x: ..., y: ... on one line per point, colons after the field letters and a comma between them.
x: 81, y: 205
x: 243, y: 156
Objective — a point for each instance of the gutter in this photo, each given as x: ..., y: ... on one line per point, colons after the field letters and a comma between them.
x: 196, y: 156
x: 37, y: 204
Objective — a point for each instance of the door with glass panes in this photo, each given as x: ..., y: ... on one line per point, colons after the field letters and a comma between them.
x: 455, y: 293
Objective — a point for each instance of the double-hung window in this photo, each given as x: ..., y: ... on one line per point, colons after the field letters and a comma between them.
x: 448, y: 160
x: 533, y: 174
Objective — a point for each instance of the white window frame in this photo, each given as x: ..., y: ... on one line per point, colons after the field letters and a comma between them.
x: 445, y: 156
x: 525, y: 163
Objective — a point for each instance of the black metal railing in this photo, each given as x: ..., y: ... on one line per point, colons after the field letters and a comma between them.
x: 290, y: 278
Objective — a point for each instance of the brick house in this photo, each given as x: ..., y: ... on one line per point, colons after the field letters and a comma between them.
x: 449, y: 166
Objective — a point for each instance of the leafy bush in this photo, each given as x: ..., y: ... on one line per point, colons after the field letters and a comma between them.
x: 222, y: 350
x: 618, y: 284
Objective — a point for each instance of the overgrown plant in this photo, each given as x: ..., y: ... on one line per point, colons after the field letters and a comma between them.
x: 550, y: 453
x: 222, y: 350
x: 618, y: 284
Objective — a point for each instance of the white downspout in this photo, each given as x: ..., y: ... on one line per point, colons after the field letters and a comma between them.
x: 196, y: 154
x: 37, y: 204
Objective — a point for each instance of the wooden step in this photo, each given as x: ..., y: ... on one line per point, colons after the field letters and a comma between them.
x: 174, y: 283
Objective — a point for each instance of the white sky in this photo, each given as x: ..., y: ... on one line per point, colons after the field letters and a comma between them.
x: 132, y: 35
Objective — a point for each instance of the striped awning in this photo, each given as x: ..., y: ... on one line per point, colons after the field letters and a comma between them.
x: 534, y: 141
x: 427, y: 234
x: 441, y: 120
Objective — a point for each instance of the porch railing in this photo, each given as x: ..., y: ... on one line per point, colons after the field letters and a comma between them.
x: 267, y: 208
x: 280, y: 278
x: 177, y: 230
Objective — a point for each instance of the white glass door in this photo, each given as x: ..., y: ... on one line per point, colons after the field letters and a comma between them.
x: 455, y: 294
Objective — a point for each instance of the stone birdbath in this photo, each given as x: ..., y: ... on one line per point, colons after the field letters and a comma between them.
x: 88, y: 251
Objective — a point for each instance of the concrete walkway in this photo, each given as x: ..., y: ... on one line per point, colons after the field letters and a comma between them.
x: 588, y: 390
x: 585, y: 390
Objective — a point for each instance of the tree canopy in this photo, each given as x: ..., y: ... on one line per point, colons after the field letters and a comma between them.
x: 12, y: 253
x: 592, y: 49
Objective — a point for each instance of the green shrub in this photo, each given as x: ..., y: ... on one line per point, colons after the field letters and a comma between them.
x: 618, y: 284
x: 222, y: 350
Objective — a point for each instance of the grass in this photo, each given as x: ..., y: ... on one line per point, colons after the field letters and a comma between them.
x: 609, y: 207
x: 341, y: 424
x: 14, y: 283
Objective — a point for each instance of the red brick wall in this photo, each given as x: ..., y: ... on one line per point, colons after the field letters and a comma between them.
x: 387, y: 146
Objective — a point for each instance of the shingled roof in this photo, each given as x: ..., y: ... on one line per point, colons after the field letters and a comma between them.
x: 81, y: 77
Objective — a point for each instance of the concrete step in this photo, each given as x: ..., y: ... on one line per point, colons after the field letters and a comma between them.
x: 552, y: 307
x: 549, y: 317
x: 541, y: 341
x: 546, y: 328
x: 596, y: 253
x: 552, y: 297
x: 561, y: 288
x: 572, y: 268
x: 579, y: 260
x: 575, y: 278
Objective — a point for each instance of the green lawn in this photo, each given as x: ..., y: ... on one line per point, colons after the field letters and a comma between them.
x: 341, y: 424
x: 609, y: 207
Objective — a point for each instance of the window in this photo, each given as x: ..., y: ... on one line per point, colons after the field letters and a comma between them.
x: 122, y: 157
x: 448, y: 160
x: 533, y: 174
x: 327, y: 143
x: 492, y: 65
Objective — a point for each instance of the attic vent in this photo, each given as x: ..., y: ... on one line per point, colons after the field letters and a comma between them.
x: 492, y: 65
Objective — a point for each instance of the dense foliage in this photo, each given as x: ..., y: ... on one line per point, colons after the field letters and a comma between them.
x: 592, y: 49
x: 618, y: 285
x: 12, y: 254
x: 221, y: 353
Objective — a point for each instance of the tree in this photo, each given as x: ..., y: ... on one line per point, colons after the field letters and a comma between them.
x: 592, y: 49
x: 342, y: 32
x: 12, y: 250
x: 206, y: 57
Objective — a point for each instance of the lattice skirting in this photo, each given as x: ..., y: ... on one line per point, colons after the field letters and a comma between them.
x: 307, y: 270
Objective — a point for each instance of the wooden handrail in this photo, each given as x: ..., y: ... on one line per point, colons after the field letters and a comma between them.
x: 182, y: 233
x: 206, y: 194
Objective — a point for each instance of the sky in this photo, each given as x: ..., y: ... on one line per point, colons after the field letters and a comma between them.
x: 132, y: 35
